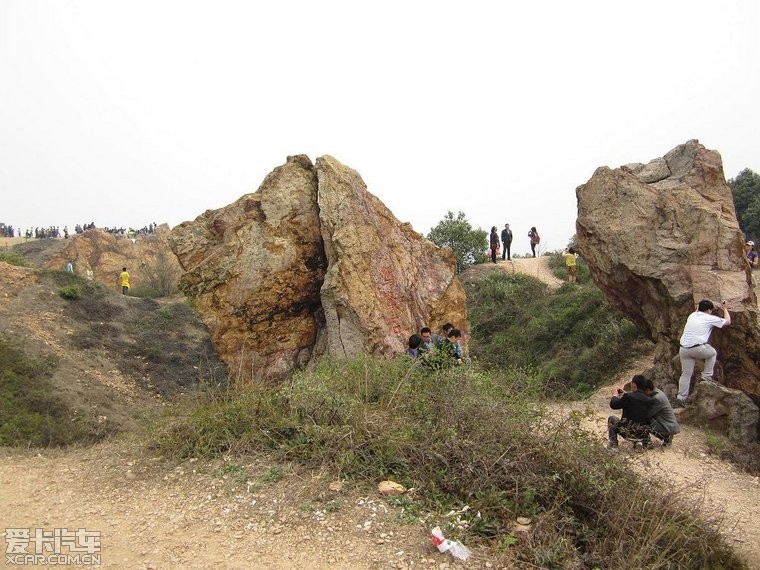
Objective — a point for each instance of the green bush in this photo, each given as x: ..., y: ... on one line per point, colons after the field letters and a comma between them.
x: 570, y: 336
x: 13, y: 258
x: 461, y: 437
x: 70, y: 292
x: 160, y: 279
x: 30, y: 412
x: 469, y: 245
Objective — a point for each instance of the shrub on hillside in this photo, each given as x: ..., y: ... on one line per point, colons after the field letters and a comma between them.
x: 13, y: 258
x: 469, y: 245
x: 70, y: 292
x: 570, y: 336
x: 460, y: 437
x: 160, y: 278
x: 31, y: 414
x: 90, y: 301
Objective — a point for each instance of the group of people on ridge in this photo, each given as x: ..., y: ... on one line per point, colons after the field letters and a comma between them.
x: 647, y: 410
x: 506, y: 241
x: 447, y: 344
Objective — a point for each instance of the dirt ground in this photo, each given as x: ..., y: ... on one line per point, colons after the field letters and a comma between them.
x: 258, y: 514
x: 207, y: 515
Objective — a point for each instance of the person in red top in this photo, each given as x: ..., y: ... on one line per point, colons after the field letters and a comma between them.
x: 535, y: 239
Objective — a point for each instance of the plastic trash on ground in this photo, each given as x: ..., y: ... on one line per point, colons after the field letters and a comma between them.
x: 453, y: 547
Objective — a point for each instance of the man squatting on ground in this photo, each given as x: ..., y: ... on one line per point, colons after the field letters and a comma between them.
x: 637, y: 409
x: 662, y: 420
x: 694, y: 345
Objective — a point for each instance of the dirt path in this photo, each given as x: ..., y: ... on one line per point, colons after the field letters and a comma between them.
x: 723, y: 491
x: 727, y: 493
x: 209, y: 514
x: 537, y: 267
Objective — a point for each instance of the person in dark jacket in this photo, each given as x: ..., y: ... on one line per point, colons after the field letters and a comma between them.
x: 494, y: 243
x: 637, y: 408
x: 506, y: 243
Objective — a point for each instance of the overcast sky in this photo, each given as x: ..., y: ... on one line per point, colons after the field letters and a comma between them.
x: 125, y: 113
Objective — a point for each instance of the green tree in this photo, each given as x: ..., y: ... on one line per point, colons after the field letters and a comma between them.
x: 746, y: 192
x: 468, y: 244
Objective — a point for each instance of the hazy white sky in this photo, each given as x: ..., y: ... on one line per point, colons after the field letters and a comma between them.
x: 125, y: 113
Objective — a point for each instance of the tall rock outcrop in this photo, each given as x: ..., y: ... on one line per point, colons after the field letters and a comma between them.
x: 384, y: 281
x: 312, y: 264
x: 658, y: 238
x: 254, y: 269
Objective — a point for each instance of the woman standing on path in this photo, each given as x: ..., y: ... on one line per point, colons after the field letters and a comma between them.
x: 494, y: 243
x: 535, y: 239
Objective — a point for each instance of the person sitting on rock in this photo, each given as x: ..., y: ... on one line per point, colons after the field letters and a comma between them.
x: 694, y: 345
x: 427, y: 340
x: 634, y: 423
x: 439, y: 339
x: 414, y: 344
x: 452, y: 346
x: 662, y: 419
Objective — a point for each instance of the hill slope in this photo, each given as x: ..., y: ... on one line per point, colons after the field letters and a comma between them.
x: 228, y: 513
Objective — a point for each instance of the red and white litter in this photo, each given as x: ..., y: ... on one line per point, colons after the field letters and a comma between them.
x: 453, y: 547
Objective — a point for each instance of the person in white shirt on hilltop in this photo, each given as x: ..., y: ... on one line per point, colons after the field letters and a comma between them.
x: 694, y: 345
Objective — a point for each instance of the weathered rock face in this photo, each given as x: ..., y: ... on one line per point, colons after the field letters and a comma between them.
x: 384, y: 280
x: 147, y: 258
x: 255, y: 268
x: 312, y: 264
x: 660, y: 237
x: 729, y: 410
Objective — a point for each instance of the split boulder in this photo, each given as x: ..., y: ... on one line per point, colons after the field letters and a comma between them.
x: 312, y: 264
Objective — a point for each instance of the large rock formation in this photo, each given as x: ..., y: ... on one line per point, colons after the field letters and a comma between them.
x: 312, y: 264
x: 101, y: 255
x: 658, y: 238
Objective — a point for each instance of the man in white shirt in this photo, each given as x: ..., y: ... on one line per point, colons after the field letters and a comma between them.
x: 694, y: 345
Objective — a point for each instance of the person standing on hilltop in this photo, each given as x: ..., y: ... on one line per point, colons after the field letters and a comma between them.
x: 694, y: 345
x: 494, y: 243
x: 535, y: 239
x: 506, y: 243
x: 570, y: 263
x: 124, y: 280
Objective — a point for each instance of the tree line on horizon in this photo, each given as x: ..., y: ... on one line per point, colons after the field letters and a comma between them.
x: 745, y: 189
